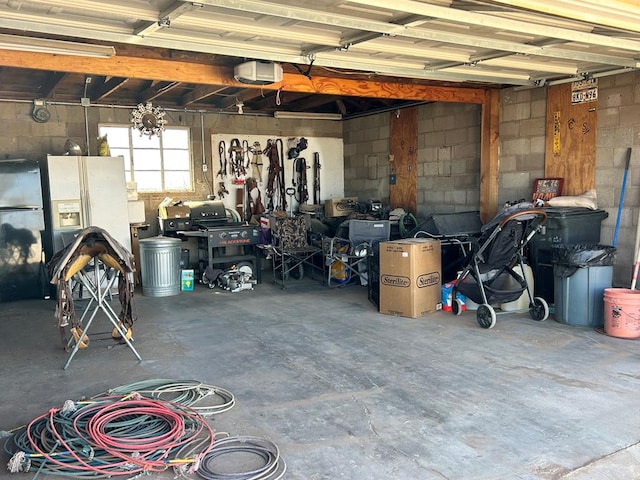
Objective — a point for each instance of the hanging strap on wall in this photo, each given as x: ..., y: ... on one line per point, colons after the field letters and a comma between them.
x: 246, y: 150
x: 274, y: 173
x: 281, y: 186
x: 256, y: 162
x: 222, y: 153
x: 316, y: 178
x: 236, y: 158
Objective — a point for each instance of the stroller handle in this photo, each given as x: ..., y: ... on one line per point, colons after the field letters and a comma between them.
x: 525, y: 215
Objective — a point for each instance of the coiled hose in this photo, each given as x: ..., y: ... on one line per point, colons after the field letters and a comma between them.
x: 108, y: 436
x: 214, y: 465
x: 205, y: 399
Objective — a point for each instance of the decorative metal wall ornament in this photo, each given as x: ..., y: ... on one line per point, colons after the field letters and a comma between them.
x: 149, y: 120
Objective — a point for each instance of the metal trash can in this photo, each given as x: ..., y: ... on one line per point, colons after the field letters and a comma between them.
x: 160, y: 266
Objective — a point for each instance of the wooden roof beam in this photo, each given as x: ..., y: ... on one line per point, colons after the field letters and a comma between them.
x: 243, y: 96
x: 200, y: 93
x: 107, y: 88
x: 47, y: 89
x: 156, y: 90
x: 205, y: 74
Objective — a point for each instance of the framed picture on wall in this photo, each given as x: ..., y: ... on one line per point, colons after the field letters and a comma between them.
x: 546, y: 188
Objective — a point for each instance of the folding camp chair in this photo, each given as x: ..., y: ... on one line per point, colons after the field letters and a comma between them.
x: 291, y: 250
x: 347, y: 259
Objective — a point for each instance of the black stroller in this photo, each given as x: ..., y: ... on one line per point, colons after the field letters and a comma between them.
x: 487, y: 276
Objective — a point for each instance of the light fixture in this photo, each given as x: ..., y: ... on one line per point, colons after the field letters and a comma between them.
x: 308, y: 115
x: 57, y: 47
x: 148, y: 120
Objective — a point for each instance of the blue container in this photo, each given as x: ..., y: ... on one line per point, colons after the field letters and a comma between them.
x: 579, y: 297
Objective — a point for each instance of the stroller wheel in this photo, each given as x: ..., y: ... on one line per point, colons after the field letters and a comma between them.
x: 486, y: 316
x: 456, y: 307
x: 539, y: 310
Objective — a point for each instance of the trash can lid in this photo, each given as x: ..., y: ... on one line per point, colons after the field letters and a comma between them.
x: 161, y: 241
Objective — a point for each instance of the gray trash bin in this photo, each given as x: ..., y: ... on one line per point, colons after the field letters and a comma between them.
x: 581, y: 274
x: 160, y: 266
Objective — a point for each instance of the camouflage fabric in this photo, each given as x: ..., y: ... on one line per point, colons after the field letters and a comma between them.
x: 289, y: 232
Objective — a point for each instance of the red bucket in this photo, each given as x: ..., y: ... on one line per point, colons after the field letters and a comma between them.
x: 622, y: 312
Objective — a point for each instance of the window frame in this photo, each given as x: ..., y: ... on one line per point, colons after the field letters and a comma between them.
x: 162, y: 149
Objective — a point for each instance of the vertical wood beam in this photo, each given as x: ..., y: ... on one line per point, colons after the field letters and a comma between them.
x: 403, y: 148
x: 489, y: 161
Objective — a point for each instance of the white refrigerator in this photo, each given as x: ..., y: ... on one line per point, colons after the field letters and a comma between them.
x: 85, y: 191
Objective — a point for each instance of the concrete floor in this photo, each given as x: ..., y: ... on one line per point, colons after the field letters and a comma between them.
x: 348, y: 393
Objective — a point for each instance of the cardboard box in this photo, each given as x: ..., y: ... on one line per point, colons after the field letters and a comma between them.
x: 136, y: 211
x: 340, y: 207
x: 132, y: 191
x: 410, y: 277
x: 179, y: 211
x: 187, y: 280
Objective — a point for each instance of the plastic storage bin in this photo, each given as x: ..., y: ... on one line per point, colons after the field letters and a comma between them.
x: 564, y: 225
x: 522, y: 303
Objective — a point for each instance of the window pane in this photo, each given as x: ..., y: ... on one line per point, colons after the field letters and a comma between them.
x: 177, y: 180
x: 148, y: 181
x: 117, y: 137
x: 154, y: 163
x: 175, y: 138
x: 146, y: 159
x: 144, y: 141
x: 176, y: 160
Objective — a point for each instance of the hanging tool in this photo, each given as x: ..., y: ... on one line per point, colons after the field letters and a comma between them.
x: 291, y: 191
x: 636, y: 250
x: 316, y: 178
x: 283, y: 200
x: 621, y: 202
x: 300, y: 173
x: 636, y: 267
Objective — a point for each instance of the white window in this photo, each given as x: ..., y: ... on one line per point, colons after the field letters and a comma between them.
x: 156, y: 164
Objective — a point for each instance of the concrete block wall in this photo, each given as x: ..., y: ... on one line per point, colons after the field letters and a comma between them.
x: 22, y: 137
x: 618, y: 130
x: 448, y: 157
x: 366, y: 157
x: 522, y: 142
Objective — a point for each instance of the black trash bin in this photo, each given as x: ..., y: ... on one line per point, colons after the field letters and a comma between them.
x: 581, y: 274
x: 564, y: 225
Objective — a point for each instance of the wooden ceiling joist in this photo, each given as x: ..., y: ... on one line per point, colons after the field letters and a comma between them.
x: 180, y: 71
x: 48, y: 88
x: 200, y: 93
x: 156, y: 90
x: 107, y: 88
